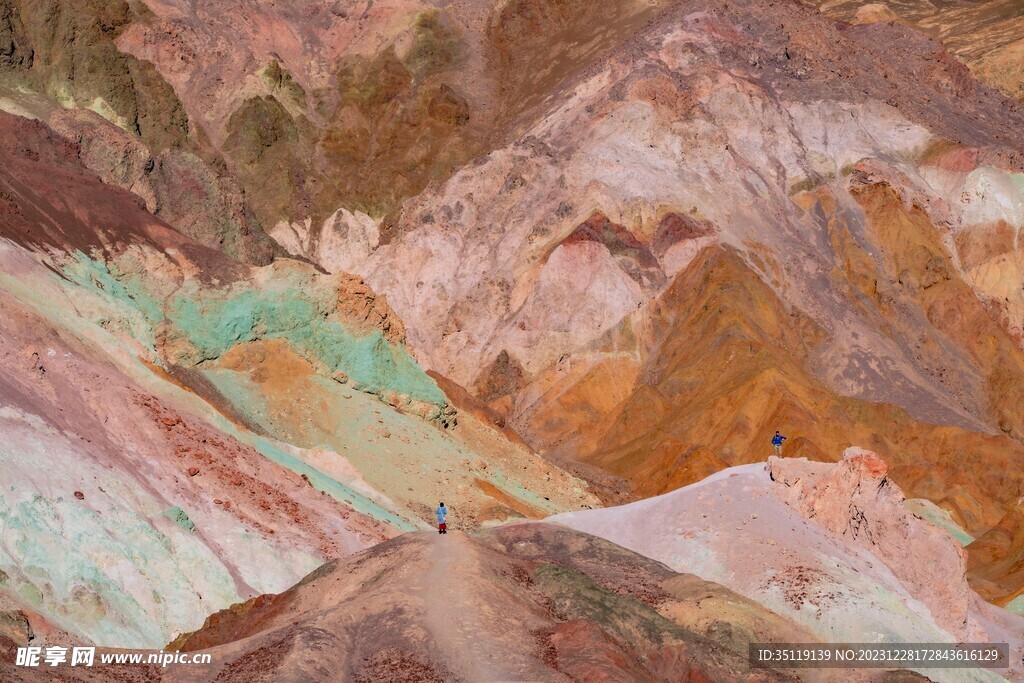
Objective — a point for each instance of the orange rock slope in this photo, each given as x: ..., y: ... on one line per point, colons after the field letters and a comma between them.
x: 743, y: 217
x: 729, y: 362
x: 996, y: 560
x: 986, y: 35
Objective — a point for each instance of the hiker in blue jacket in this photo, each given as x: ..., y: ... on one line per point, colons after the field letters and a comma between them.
x: 442, y: 516
x: 777, y: 442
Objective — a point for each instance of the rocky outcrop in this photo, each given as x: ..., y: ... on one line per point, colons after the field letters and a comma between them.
x: 130, y: 125
x: 14, y: 626
x: 65, y: 49
x: 855, y: 499
x: 325, y: 106
x: 995, y: 561
x: 986, y: 36
x: 874, y: 11
x: 345, y: 240
x: 366, y: 310
x: 528, y: 601
x: 828, y: 545
x: 175, y: 184
x: 115, y: 155
x: 362, y: 107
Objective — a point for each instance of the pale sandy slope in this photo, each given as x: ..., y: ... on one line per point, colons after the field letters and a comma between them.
x: 821, y: 544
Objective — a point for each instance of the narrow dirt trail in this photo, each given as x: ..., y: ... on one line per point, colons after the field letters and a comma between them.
x: 469, y: 631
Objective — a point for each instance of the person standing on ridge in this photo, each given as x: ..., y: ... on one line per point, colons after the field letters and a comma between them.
x: 442, y: 516
x: 777, y: 442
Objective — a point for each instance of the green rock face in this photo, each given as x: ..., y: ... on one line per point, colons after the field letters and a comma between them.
x: 139, y: 313
x: 933, y: 513
x: 178, y: 516
x: 209, y: 321
x: 213, y: 325
x: 59, y: 552
x: 1016, y: 605
x: 574, y: 595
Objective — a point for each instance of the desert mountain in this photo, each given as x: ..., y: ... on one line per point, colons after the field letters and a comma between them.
x: 521, y: 602
x: 544, y: 601
x: 742, y: 217
x: 831, y: 543
x: 278, y: 277
x: 987, y: 36
x: 526, y: 601
x: 183, y: 430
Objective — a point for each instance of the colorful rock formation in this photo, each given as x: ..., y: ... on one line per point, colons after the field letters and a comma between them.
x: 525, y: 601
x: 822, y: 544
x: 996, y: 559
x: 182, y: 430
x: 716, y: 230
x: 276, y: 278
x: 986, y: 35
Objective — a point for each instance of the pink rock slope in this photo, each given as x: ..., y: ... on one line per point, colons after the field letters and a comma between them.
x: 827, y: 545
